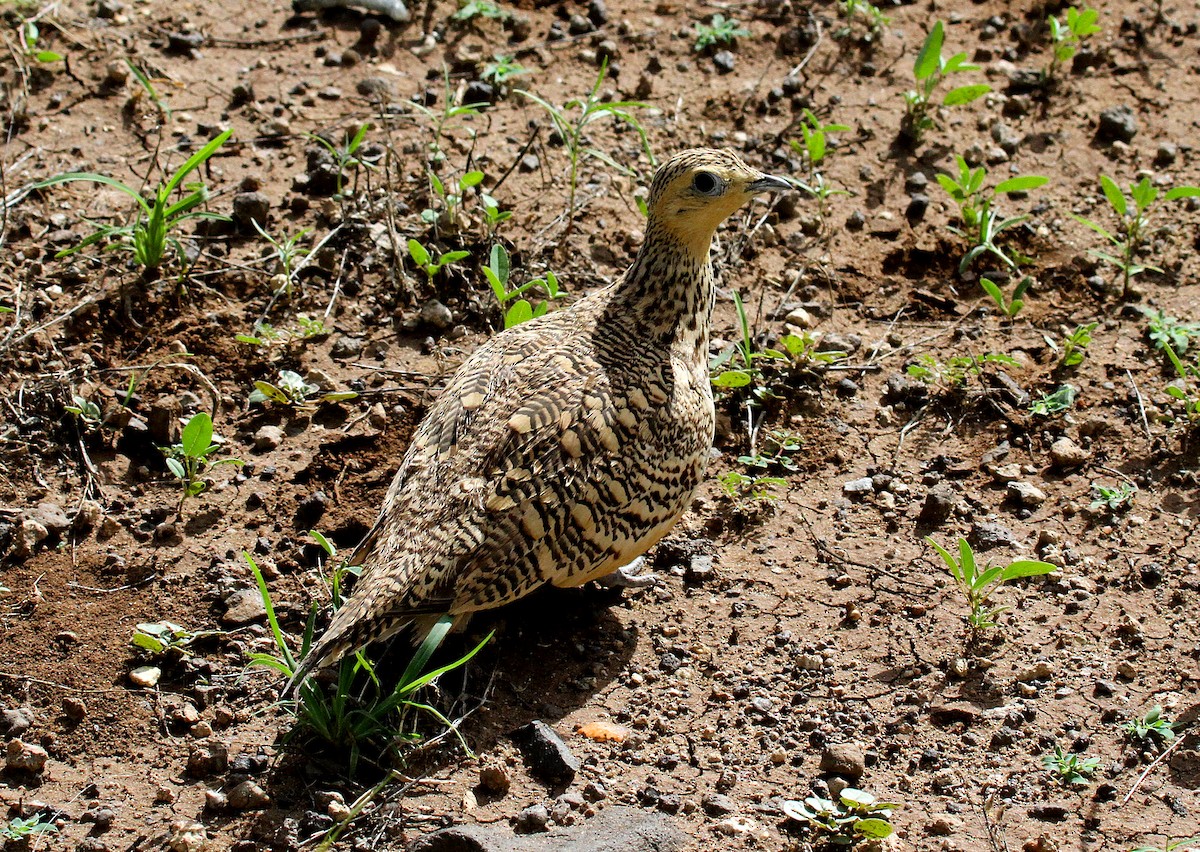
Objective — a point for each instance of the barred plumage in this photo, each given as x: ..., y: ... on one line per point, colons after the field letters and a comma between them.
x: 565, y: 447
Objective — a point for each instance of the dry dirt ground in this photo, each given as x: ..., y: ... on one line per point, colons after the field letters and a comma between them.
x: 825, y: 626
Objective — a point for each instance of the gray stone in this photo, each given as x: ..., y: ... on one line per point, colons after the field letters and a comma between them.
x: 529, y: 163
x: 436, y: 315
x: 845, y: 759
x: 918, y: 205
x: 207, y: 757
x: 346, y: 347
x: 249, y: 207
x: 986, y: 535
x: 725, y: 61
x: 718, y: 804
x: 1165, y: 155
x: 614, y: 829
x: 243, y: 607
x: 248, y: 796
x: 858, y: 487
x: 1026, y: 494
x: 533, y: 819
x: 15, y: 721
x: 52, y: 517
x: 699, y: 569
x: 1117, y: 124
x: 548, y: 757
x: 938, y: 505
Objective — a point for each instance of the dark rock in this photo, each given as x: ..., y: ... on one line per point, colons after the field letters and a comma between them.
x: 1165, y: 155
x: 547, y: 755
x: 207, y: 757
x: 1003, y: 738
x: 918, y: 205
x: 856, y: 221
x: 1104, y: 689
x: 614, y: 829
x: 986, y: 535
x: 375, y: 88
x: 346, y: 347
x: 479, y: 92
x: 579, y: 25
x: 670, y: 663
x: 725, y: 61
x: 939, y: 503
x: 916, y: 182
x: 250, y: 207
x: 718, y: 804
x: 847, y: 387
x: 311, y: 509
x: 529, y: 163
x: 533, y: 819
x: 1117, y: 124
x: 598, y: 12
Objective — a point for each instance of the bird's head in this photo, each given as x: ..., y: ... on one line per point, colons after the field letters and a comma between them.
x: 695, y: 190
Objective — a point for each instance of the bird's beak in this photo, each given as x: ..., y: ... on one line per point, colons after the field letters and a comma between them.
x: 769, y: 182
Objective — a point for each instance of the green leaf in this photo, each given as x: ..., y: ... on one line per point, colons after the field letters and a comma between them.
x: 1097, y: 228
x: 470, y: 179
x: 992, y: 290
x: 520, y: 312
x: 874, y: 827
x: 418, y: 253
x: 176, y: 468
x: 1022, y: 183
x: 1182, y: 192
x: 1026, y: 568
x: 452, y: 257
x: 929, y: 58
x: 47, y: 56
x: 500, y: 263
x: 731, y: 379
x: 966, y: 94
x: 1114, y: 195
x: 197, y: 435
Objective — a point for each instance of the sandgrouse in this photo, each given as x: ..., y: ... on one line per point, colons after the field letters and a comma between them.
x: 564, y: 447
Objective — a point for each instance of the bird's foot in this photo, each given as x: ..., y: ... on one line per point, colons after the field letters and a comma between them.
x: 629, y: 576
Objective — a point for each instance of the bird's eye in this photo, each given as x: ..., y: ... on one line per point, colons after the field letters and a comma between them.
x: 706, y: 183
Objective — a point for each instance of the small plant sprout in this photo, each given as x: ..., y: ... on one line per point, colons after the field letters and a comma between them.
x: 189, y: 459
x: 1118, y: 498
x: 521, y: 309
x: 22, y: 828
x: 1129, y: 238
x: 472, y: 9
x: 1067, y: 37
x: 451, y: 198
x: 1009, y: 307
x: 87, y: 411
x: 982, y: 223
x: 29, y: 41
x: 1151, y: 728
x: 450, y: 113
x: 345, y: 156
x: 162, y: 637
x: 1055, y: 402
x: 1172, y: 845
x: 292, y: 390
x: 720, y: 31
x: 741, y: 486
x: 573, y: 130
x: 432, y: 264
x: 286, y: 251
x: 929, y: 70
x: 501, y: 70
x: 1167, y: 331
x: 776, y: 454
x: 357, y: 716
x: 978, y: 585
x: 813, y: 146
x: 855, y: 815
x: 1073, y: 769
x: 952, y: 375
x: 156, y: 220
x: 872, y: 17
x: 1185, y: 389
x: 1074, y: 346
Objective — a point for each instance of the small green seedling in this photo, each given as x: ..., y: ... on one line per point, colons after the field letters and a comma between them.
x: 855, y: 815
x: 741, y: 486
x: 813, y: 144
x: 22, y: 828
x: 346, y: 155
x: 473, y: 9
x: 1185, y: 389
x: 1074, y: 346
x: 1055, y: 402
x: 521, y: 310
x: 1067, y: 37
x: 1073, y: 769
x: 161, y: 637
x: 744, y: 349
x: 430, y: 264
x: 450, y: 197
x: 287, y: 250
x: 573, y: 131
x: 1009, y: 307
x: 29, y: 37
x: 863, y: 10
x: 978, y: 585
x: 1134, y: 220
x: 952, y: 375
x: 1116, y: 499
x: 292, y: 390
x: 265, y: 334
x: 1151, y: 727
x: 87, y: 411
x: 721, y: 31
x: 982, y: 223
x: 1167, y: 331
x: 157, y: 219
x: 502, y: 69
x: 929, y: 71
x: 776, y: 453
x: 451, y: 111
x: 189, y: 459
